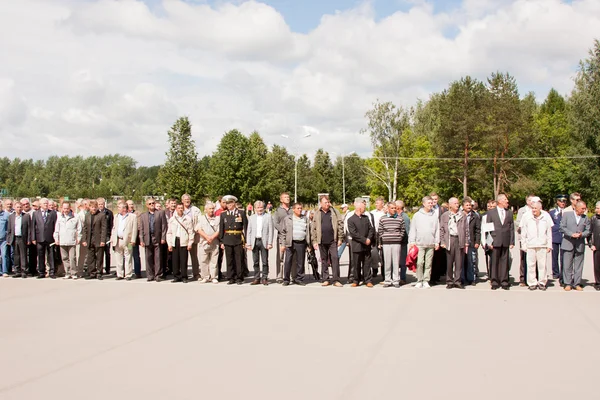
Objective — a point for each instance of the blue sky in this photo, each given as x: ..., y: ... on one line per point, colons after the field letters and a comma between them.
x: 304, y: 15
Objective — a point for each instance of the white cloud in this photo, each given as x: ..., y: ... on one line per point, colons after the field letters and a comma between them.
x: 105, y: 76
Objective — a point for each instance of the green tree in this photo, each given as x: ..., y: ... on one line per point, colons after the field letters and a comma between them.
x: 228, y: 172
x: 177, y: 176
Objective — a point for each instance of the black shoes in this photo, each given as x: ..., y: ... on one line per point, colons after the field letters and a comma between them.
x: 300, y: 283
x: 176, y: 280
x: 449, y: 286
x: 506, y: 287
x: 158, y: 279
x: 119, y: 278
x: 99, y: 277
x: 459, y: 286
x: 286, y: 283
x: 230, y: 282
x: 532, y: 288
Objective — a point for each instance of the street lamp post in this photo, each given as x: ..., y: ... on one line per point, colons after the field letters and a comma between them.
x: 343, y: 176
x: 296, y: 165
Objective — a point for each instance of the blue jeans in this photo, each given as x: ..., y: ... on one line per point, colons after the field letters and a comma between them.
x: 468, y: 272
x: 5, y: 257
x: 341, y: 249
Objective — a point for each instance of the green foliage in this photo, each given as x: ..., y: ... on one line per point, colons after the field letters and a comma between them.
x: 179, y: 173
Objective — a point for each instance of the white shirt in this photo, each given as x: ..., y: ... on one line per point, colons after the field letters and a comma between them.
x: 377, y: 214
x: 18, y: 224
x: 577, y: 219
x: 121, y: 225
x: 180, y: 219
x: 259, y: 225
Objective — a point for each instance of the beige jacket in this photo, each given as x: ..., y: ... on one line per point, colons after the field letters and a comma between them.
x: 186, y: 232
x: 129, y: 231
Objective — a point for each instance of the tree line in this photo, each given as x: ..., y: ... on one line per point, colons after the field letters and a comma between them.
x: 475, y: 137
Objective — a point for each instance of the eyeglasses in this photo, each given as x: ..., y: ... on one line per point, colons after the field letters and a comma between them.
x: 149, y: 204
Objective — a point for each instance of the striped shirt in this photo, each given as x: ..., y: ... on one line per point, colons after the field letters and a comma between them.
x: 391, y: 229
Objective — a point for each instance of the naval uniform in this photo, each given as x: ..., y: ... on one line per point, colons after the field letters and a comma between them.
x: 232, y: 231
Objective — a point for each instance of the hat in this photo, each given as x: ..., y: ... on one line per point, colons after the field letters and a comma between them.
x: 561, y: 197
x: 344, y: 205
x: 230, y: 199
x: 535, y: 199
x: 360, y: 200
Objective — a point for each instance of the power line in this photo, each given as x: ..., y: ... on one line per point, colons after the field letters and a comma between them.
x: 479, y: 158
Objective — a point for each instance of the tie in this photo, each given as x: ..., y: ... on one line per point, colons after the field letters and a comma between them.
x: 44, y: 216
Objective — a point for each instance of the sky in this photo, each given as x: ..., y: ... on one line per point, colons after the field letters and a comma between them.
x: 96, y: 77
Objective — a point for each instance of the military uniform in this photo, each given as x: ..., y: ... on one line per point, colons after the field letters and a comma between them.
x: 232, y: 231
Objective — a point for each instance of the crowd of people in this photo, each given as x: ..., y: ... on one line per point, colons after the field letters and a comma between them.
x: 43, y: 239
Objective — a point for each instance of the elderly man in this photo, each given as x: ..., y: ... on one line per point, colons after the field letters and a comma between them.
x: 135, y: 250
x: 109, y: 225
x: 93, y: 237
x: 122, y: 239
x: 81, y: 252
x: 192, y: 212
x: 4, y: 248
x: 557, y: 237
x: 594, y: 242
x: 425, y: 234
x: 390, y: 234
x: 438, y: 264
x: 574, y: 198
x: 293, y: 239
x: 525, y: 210
x: 502, y: 241
x: 327, y: 232
x: 18, y: 237
x: 152, y: 227
x: 404, y: 244
x: 536, y: 240
x: 43, y: 225
x: 67, y: 234
x: 233, y: 227
x: 260, y: 241
x: 208, y: 229
x: 281, y: 212
x: 31, y: 248
x: 454, y: 238
x: 362, y: 233
x: 469, y: 275
x: 575, y: 227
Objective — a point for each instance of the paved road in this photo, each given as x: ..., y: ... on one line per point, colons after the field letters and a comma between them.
x: 138, y: 340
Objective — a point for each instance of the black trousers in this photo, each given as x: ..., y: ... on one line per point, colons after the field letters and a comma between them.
x: 361, y: 265
x: 107, y: 257
x: 455, y: 258
x: 220, y: 263
x: 329, y: 252
x: 32, y: 258
x: 438, y: 265
x: 260, y: 252
x: 165, y: 260
x: 297, y: 249
x: 596, y: 265
x: 500, y: 267
x: 233, y: 255
x: 20, y: 255
x: 44, y: 250
x: 180, y: 258
x: 154, y: 266
x: 95, y: 259
x: 523, y: 267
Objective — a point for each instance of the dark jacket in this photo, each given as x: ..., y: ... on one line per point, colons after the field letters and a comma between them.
x: 360, y: 229
x: 556, y: 216
x: 25, y: 231
x: 461, y: 226
x: 110, y: 218
x: 503, y: 235
x: 569, y: 226
x: 43, y: 231
x: 337, y: 222
x: 474, y: 228
x: 236, y: 222
x: 160, y: 227
x: 594, y: 238
x: 94, y: 232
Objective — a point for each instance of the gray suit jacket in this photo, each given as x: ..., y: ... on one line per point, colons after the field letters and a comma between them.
x: 569, y: 226
x: 267, y: 230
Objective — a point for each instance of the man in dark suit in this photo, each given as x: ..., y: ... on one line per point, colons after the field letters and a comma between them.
x: 575, y: 227
x: 469, y: 276
x: 362, y: 233
x: 232, y: 231
x: 152, y: 227
x: 31, y: 249
x: 18, y: 238
x: 93, y: 237
x: 43, y: 237
x: 503, y: 239
x: 438, y: 266
x: 109, y: 225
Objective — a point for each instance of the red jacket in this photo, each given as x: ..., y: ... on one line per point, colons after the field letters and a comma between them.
x: 411, y: 258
